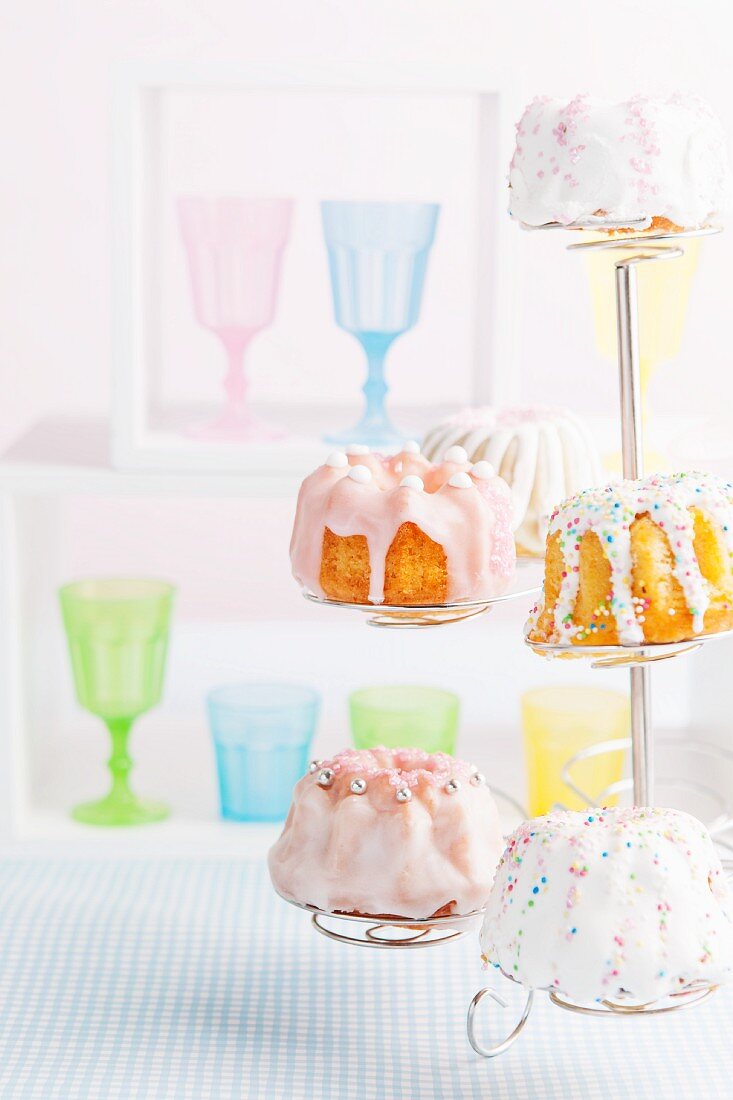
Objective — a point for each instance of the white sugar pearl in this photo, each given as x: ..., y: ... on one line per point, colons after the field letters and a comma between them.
x: 362, y: 474
x: 456, y: 454
x: 357, y: 449
x: 483, y: 470
x: 460, y: 481
x: 412, y: 447
x: 337, y: 460
x: 412, y: 481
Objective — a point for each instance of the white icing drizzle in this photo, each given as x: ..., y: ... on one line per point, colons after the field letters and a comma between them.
x: 609, y: 513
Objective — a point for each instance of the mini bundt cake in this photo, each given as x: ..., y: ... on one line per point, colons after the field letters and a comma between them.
x: 657, y: 164
x: 543, y: 454
x: 639, y: 561
x: 391, y: 833
x: 403, y: 531
x: 610, y: 904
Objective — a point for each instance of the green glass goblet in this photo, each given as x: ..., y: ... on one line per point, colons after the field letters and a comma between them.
x: 117, y: 630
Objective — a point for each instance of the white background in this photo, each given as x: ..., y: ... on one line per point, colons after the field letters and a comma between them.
x: 56, y: 71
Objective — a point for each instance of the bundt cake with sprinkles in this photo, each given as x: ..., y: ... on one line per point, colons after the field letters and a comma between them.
x: 610, y: 904
x: 639, y: 561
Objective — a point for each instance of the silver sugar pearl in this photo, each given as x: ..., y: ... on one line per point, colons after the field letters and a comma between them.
x: 325, y: 777
x: 404, y: 794
x: 357, y: 786
x: 478, y: 779
x: 452, y: 786
x: 314, y: 766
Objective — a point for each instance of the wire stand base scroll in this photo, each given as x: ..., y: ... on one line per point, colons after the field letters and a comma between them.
x: 498, y: 1048
x: 695, y: 994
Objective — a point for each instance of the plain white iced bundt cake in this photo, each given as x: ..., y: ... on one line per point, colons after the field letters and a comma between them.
x: 544, y: 454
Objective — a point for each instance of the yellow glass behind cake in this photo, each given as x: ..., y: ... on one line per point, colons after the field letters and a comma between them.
x: 559, y: 722
x: 664, y: 293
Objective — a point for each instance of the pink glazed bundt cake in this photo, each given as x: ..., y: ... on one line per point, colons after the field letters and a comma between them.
x: 389, y: 833
x: 610, y: 904
x: 402, y: 530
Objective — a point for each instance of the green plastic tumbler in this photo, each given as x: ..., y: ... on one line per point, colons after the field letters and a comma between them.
x: 117, y: 630
x: 404, y: 717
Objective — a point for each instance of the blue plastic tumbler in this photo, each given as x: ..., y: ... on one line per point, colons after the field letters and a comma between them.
x: 262, y: 736
x: 377, y: 255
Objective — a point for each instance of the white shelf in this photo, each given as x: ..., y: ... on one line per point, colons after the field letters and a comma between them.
x: 73, y: 455
x: 52, y: 831
x: 49, y: 830
x: 74, y: 769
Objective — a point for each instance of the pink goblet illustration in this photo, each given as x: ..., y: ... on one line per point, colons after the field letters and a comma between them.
x: 234, y: 248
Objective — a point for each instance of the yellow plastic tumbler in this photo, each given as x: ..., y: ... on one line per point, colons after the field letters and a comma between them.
x: 559, y: 722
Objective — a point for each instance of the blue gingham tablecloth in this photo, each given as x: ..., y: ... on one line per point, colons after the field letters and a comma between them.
x: 191, y: 979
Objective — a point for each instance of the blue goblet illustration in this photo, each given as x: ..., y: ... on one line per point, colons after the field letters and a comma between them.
x: 377, y: 255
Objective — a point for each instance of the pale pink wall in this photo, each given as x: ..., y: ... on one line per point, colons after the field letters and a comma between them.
x: 56, y: 64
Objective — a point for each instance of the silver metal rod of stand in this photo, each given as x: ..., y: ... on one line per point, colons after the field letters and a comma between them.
x: 632, y: 447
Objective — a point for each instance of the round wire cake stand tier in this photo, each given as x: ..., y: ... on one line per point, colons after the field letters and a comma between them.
x: 694, y: 994
x: 626, y: 234
x: 526, y: 583
x: 390, y: 933
x: 623, y: 656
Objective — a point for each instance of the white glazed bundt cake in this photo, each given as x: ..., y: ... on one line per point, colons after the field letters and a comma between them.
x: 610, y: 904
x: 402, y: 530
x: 544, y: 454
x: 389, y: 832
x: 645, y: 163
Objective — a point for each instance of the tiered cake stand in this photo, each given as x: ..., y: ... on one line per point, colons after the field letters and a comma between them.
x: 637, y: 248
x: 387, y: 932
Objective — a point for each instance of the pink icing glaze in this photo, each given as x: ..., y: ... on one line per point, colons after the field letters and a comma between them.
x: 371, y: 853
x: 473, y: 525
x: 399, y: 767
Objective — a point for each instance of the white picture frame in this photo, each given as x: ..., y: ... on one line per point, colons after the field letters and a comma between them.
x: 134, y: 444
